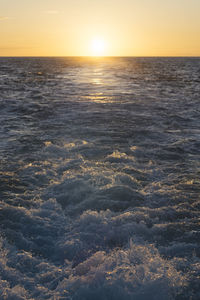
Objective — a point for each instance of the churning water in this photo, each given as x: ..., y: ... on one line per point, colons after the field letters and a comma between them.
x: 99, y: 178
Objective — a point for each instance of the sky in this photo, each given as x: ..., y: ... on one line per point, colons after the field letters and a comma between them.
x: 121, y: 27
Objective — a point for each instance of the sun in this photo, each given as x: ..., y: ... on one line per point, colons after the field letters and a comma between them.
x: 98, y: 47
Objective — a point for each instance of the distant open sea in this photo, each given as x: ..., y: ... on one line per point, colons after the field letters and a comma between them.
x: 100, y: 178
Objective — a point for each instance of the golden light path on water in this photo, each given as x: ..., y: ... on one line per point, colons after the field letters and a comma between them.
x: 99, y: 83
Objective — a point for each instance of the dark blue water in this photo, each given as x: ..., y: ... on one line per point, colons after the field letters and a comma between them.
x: 99, y: 178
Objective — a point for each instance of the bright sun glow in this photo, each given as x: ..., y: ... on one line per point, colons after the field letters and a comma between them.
x: 98, y: 47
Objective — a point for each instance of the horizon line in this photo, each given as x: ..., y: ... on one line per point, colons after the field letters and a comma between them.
x: 106, y: 56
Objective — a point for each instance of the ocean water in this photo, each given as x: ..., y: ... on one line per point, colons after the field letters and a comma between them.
x: 100, y: 178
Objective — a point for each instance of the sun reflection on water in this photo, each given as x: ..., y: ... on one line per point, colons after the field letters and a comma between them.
x: 97, y: 81
x: 98, y: 98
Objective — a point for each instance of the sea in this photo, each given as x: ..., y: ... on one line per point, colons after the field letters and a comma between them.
x: 100, y: 178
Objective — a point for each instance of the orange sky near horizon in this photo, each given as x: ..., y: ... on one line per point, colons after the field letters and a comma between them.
x: 126, y: 27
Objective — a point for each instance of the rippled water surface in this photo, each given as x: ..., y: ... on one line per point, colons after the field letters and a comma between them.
x: 99, y: 178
